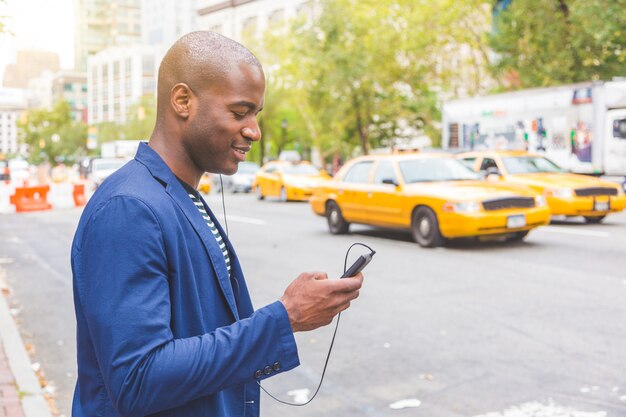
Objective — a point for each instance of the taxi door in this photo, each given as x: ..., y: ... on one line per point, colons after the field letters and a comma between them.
x: 352, y: 192
x: 384, y: 200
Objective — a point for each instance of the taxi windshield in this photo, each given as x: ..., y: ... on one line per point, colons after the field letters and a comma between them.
x: 529, y: 165
x: 435, y: 169
x: 300, y: 169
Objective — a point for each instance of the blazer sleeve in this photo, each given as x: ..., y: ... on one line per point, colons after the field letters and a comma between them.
x: 123, y: 287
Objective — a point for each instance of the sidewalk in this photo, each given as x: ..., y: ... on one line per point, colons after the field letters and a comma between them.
x: 20, y: 393
x: 10, y: 405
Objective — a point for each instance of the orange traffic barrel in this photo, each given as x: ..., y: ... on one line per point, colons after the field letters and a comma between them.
x: 79, y: 195
x: 31, y: 198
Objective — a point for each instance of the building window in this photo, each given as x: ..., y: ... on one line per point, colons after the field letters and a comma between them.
x: 148, y: 65
x: 217, y: 28
x: 249, y: 25
x: 276, y: 17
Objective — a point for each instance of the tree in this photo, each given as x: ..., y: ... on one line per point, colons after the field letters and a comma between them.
x: 542, y: 43
x: 365, y: 73
x: 3, y: 19
x: 52, y: 135
x: 140, y: 119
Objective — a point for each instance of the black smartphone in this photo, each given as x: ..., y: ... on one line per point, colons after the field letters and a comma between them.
x: 358, y: 265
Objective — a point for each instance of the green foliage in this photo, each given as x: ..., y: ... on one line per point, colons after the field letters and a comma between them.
x: 3, y: 19
x: 109, y: 131
x: 52, y: 135
x: 365, y: 73
x: 140, y: 119
x: 542, y: 43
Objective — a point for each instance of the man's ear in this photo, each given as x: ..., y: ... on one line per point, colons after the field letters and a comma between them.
x: 181, y: 99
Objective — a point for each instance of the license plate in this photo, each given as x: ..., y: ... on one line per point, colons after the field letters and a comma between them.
x: 601, y: 206
x: 513, y: 222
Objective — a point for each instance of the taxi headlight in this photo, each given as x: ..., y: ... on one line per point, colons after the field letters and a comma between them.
x: 462, y: 207
x: 559, y: 192
x: 540, y: 201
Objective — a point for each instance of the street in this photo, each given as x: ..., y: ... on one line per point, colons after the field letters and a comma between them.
x: 469, y: 329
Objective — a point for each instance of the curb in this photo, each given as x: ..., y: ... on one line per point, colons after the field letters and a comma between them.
x: 32, y: 399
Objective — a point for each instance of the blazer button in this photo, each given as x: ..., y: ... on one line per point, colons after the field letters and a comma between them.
x: 276, y: 366
x: 267, y: 370
x: 258, y: 373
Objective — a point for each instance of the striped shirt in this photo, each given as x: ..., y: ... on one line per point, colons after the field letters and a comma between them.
x: 216, y: 233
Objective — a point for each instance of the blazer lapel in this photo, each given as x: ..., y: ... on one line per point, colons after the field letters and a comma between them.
x: 161, y: 172
x: 183, y: 200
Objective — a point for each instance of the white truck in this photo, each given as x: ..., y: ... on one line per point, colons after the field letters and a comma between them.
x: 581, y: 127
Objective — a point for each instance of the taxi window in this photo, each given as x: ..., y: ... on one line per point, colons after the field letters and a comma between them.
x: 488, y: 163
x: 359, y: 172
x: 530, y: 164
x: 468, y: 162
x: 619, y: 128
x: 384, y: 171
x: 270, y: 169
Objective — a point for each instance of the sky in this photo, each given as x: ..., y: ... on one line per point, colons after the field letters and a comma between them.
x: 38, y: 24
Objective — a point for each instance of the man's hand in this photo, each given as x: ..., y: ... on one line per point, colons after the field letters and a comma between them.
x: 312, y: 300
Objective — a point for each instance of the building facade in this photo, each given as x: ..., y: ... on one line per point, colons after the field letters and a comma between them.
x: 104, y: 23
x: 117, y: 78
x: 71, y: 86
x: 238, y: 18
x: 164, y: 21
x: 12, y: 104
x: 28, y: 65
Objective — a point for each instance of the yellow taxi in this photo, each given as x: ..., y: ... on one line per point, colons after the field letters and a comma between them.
x: 433, y: 195
x: 289, y: 181
x: 205, y: 183
x: 567, y: 194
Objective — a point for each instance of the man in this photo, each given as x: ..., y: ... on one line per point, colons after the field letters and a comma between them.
x: 164, y: 319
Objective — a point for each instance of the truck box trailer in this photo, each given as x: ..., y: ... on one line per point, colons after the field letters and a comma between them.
x: 581, y: 127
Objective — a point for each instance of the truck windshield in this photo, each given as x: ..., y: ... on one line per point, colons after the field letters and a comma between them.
x: 435, y: 169
x: 529, y: 165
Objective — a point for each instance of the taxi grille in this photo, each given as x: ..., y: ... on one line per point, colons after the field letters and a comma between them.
x: 509, y: 203
x: 587, y: 192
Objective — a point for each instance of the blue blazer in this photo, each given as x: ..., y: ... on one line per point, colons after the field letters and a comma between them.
x: 160, y: 329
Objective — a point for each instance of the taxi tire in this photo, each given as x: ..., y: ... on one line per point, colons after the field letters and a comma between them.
x: 423, y: 217
x: 594, y: 219
x: 259, y: 193
x: 336, y: 223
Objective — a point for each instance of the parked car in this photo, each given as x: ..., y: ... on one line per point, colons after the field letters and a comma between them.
x: 567, y: 194
x: 433, y: 195
x: 5, y: 174
x: 19, y: 170
x: 101, y: 168
x: 241, y: 181
x: 288, y: 181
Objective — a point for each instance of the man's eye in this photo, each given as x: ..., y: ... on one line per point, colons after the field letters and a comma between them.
x: 239, y: 115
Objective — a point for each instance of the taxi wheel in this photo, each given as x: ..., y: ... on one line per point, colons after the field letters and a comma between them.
x: 425, y: 228
x: 283, y: 195
x: 594, y: 219
x: 336, y: 223
x: 259, y: 193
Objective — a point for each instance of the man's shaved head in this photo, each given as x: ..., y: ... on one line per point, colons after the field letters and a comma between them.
x: 200, y: 59
x: 210, y: 91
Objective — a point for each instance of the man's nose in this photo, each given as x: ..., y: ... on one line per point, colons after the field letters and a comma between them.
x: 252, y: 131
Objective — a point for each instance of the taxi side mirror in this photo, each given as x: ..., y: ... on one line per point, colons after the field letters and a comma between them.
x: 390, y: 181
